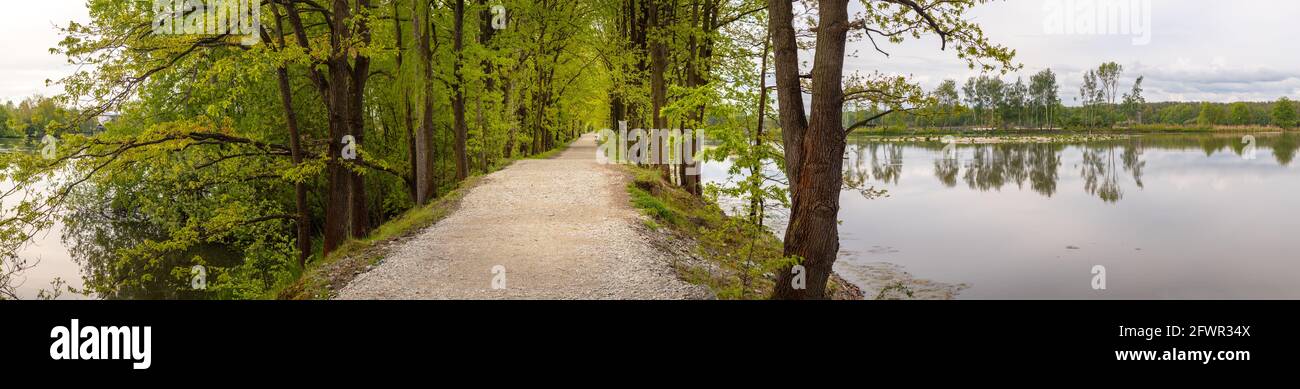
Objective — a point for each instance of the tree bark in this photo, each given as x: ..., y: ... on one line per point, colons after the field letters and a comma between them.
x: 458, y: 98
x: 813, y: 234
x: 408, y: 118
x: 658, y: 83
x: 789, y: 95
x: 426, y: 185
x: 303, y: 215
x: 337, y: 210
x: 756, y: 202
x: 359, y: 207
x: 485, y: 34
x: 507, y: 94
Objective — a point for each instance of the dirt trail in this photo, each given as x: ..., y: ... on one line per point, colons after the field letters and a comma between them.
x: 560, y: 228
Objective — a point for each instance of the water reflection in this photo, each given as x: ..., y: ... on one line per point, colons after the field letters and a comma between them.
x: 1030, y: 220
x: 103, y: 220
x: 1284, y: 149
x: 1104, y: 167
x: 881, y: 162
x: 1100, y: 177
x: 991, y: 167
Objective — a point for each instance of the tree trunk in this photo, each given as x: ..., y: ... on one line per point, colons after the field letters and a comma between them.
x: 756, y: 202
x: 408, y: 119
x: 303, y: 215
x: 813, y: 234
x: 485, y: 34
x: 425, y: 165
x: 513, y: 121
x: 458, y: 99
x: 658, y: 84
x: 338, y: 204
x: 788, y: 93
x: 359, y: 207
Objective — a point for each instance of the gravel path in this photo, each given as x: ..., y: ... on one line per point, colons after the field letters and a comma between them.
x: 560, y: 228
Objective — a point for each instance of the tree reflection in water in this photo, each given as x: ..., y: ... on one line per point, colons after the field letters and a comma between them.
x: 1103, y: 168
x: 1099, y: 174
x: 1284, y: 148
x: 103, y: 222
x: 946, y: 169
x: 991, y: 167
x: 886, y: 166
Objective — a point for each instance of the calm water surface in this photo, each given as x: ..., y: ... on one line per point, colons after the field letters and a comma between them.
x: 52, y: 260
x: 1170, y: 217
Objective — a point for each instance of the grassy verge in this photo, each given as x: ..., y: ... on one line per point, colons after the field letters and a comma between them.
x: 717, y: 253
x: 323, y: 278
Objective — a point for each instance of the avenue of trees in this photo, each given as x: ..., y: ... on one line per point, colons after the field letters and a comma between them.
x: 255, y: 161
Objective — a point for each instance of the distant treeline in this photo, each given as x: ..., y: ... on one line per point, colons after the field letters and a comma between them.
x: 991, y: 102
x: 37, y: 116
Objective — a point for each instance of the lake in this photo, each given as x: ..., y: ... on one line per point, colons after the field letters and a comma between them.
x: 47, y: 254
x: 1168, y: 217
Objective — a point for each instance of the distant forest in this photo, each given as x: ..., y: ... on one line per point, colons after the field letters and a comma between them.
x: 992, y: 102
x: 36, y: 116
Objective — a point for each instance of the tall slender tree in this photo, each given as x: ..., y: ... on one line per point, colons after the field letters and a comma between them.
x: 818, y: 143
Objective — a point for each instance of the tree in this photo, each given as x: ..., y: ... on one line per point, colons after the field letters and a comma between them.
x: 970, y: 90
x: 1284, y: 114
x: 816, y: 176
x: 330, y: 125
x: 1210, y: 115
x: 1043, y: 92
x: 948, y: 100
x: 5, y: 131
x: 1014, y: 101
x: 1134, y: 103
x: 986, y: 94
x: 1108, y: 74
x: 1091, y: 95
x: 1239, y: 114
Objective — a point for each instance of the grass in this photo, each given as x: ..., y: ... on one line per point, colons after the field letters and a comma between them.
x: 322, y: 278
x: 718, y: 246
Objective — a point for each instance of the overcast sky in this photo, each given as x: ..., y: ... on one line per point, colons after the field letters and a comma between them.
x: 1199, y: 49
x: 27, y: 32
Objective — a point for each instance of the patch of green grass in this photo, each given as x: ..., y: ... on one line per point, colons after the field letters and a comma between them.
x: 723, y: 247
x: 322, y: 277
x: 652, y: 206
